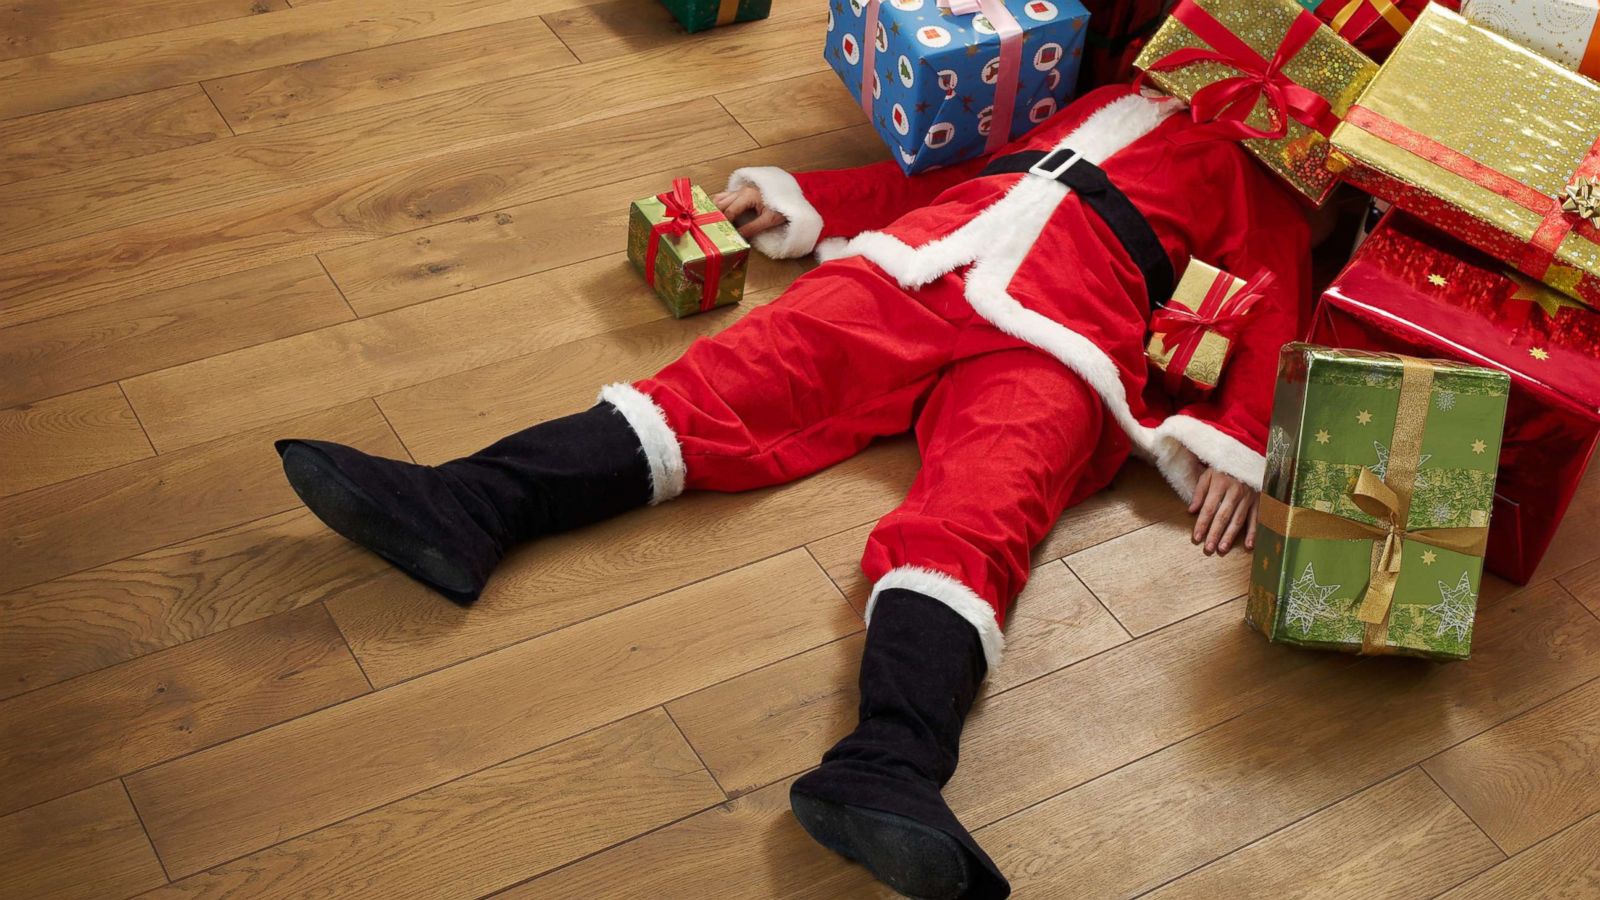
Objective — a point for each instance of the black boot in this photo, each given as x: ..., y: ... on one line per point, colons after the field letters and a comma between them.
x: 875, y: 799
x: 447, y: 526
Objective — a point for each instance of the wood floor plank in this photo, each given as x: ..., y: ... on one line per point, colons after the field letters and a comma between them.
x: 748, y: 849
x: 166, y: 328
x: 1564, y: 867
x: 605, y: 29
x: 230, y: 392
x: 490, y: 829
x: 480, y: 250
x: 1145, y: 597
x: 83, y: 136
x: 284, y: 95
x: 122, y: 610
x: 64, y: 528
x: 115, y: 194
x: 274, y: 784
x: 1399, y: 839
x: 84, y: 846
x: 28, y: 27
x: 118, y: 720
x: 1137, y: 496
x: 784, y: 110
x: 49, y: 441
x: 452, y: 416
x: 777, y: 721
x: 179, y: 250
x: 1532, y: 776
x: 214, y: 49
x: 1584, y: 583
x: 1188, y: 804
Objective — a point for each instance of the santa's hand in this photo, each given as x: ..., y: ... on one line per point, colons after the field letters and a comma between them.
x: 744, y: 208
x: 1225, y: 506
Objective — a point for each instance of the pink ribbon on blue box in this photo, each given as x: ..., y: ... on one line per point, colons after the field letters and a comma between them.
x: 1005, y: 88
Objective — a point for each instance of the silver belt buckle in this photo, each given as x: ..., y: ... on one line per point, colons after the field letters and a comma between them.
x: 1043, y: 169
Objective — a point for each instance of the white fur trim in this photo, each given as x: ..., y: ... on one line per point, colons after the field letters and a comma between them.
x: 780, y: 192
x: 660, y: 444
x: 952, y: 593
x: 995, y: 243
x: 832, y: 248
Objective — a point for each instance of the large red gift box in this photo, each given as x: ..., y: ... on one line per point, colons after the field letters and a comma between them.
x: 1411, y: 289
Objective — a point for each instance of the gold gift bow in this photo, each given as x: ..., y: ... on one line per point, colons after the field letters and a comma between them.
x: 1387, y: 10
x: 1387, y: 500
x: 727, y: 11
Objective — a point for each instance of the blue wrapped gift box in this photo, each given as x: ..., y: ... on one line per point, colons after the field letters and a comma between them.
x: 936, y: 71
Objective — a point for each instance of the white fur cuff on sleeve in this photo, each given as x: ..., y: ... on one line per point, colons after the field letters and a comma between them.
x: 779, y: 191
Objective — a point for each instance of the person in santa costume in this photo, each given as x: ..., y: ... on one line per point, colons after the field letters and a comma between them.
x: 1000, y: 307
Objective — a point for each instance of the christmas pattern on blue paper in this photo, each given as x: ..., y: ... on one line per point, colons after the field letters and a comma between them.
x: 934, y: 86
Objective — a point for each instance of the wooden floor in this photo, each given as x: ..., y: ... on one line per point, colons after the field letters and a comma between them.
x: 399, y: 224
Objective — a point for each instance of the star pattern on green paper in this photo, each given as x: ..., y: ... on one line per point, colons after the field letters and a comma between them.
x: 1308, y: 601
x: 1455, y: 608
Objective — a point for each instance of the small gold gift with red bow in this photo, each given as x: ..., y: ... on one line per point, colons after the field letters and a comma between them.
x: 1192, y: 336
x: 687, y: 250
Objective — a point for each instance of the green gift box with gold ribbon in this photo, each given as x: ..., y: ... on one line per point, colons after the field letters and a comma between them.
x: 698, y: 15
x: 1375, y: 503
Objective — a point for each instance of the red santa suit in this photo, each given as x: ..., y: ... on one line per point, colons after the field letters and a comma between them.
x: 1002, y: 317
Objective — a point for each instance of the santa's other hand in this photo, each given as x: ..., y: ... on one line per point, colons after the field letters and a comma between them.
x: 744, y: 209
x: 1224, y: 507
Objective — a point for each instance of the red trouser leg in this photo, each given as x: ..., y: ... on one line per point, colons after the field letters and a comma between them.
x: 843, y: 357
x: 1009, y: 439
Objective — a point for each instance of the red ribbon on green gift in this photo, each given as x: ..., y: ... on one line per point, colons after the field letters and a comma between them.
x: 1226, y: 104
x: 1182, y: 328
x: 682, y: 219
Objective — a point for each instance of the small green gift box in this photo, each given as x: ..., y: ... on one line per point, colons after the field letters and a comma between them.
x: 698, y: 15
x: 687, y: 250
x: 1375, y: 503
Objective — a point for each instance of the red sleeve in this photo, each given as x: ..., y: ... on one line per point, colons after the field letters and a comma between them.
x: 842, y: 203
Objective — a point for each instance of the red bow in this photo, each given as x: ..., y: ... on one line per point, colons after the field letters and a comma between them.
x: 682, y: 219
x: 1182, y: 328
x: 1226, y: 104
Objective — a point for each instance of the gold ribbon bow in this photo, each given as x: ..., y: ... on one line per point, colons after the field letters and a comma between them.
x: 1389, y: 501
x: 1582, y: 198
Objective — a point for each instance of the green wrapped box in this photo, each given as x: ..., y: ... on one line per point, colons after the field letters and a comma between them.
x: 698, y: 15
x: 1375, y: 503
x: 687, y: 250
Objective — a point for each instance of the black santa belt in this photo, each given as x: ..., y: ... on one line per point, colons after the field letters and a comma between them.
x: 1090, y: 183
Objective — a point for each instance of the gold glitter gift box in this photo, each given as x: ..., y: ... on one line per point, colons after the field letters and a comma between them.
x: 1192, y: 336
x: 1490, y: 142
x: 1265, y: 71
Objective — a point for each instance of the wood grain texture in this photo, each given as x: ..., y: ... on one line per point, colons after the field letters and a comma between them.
x: 777, y: 721
x: 1137, y: 495
x: 229, y: 392
x: 1532, y: 776
x: 489, y: 829
x: 1398, y: 839
x: 1563, y: 867
x: 244, y: 795
x: 1584, y: 583
x: 147, y: 62
x: 126, y: 717
x: 785, y: 110
x: 1322, y: 740
x: 481, y: 250
x: 89, y: 521
x: 606, y: 29
x: 749, y: 849
x: 84, y: 846
x: 112, y: 195
x: 82, y: 136
x: 54, y: 440
x: 28, y: 27
x: 374, y: 202
x: 122, y: 610
x: 1144, y: 597
x: 166, y: 328
x: 283, y: 95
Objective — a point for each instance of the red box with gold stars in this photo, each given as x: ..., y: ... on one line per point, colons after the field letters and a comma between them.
x: 1413, y: 289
